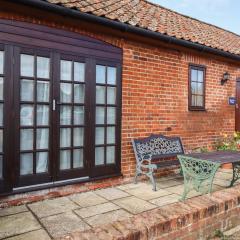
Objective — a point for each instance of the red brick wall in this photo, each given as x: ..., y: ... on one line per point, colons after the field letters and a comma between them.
x: 155, y: 88
x: 195, y: 219
x: 155, y: 98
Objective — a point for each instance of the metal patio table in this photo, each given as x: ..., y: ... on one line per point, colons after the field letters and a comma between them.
x: 198, y: 168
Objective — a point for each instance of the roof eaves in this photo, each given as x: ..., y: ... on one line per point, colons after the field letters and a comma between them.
x: 126, y: 27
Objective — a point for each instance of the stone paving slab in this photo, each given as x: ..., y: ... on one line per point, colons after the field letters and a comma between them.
x: 63, y: 223
x: 134, y: 205
x: 34, y: 235
x: 85, y: 210
x: 222, y: 182
x: 17, y: 224
x: 169, y: 177
x: 172, y: 198
x: 109, y: 217
x: 129, y: 186
x: 87, y: 199
x: 51, y: 207
x: 13, y: 210
x: 95, y: 210
x: 224, y: 175
x: 146, y: 193
x: 169, y: 183
x: 176, y: 189
x: 111, y: 193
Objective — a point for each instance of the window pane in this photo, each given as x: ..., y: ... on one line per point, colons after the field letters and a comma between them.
x: 42, y: 91
x: 26, y: 139
x: 65, y: 115
x: 200, y: 76
x: 43, y: 67
x: 77, y: 158
x: 200, y: 88
x: 65, y: 159
x: 26, y: 115
x: 99, y: 135
x: 110, y: 135
x: 1, y: 114
x: 110, y: 155
x: 1, y: 166
x: 78, y: 115
x: 193, y: 100
x: 99, y: 155
x: 111, y: 95
x: 78, y: 135
x: 79, y: 72
x: 27, y: 90
x: 1, y: 140
x: 194, y: 75
x: 199, y: 101
x: 100, y: 74
x: 111, y: 75
x: 66, y: 70
x: 79, y: 93
x: 66, y: 92
x: 26, y: 163
x: 27, y: 65
x: 42, y: 115
x: 111, y: 115
x: 100, y: 115
x: 100, y: 95
x: 41, y: 162
x: 42, y: 138
x: 65, y: 137
x: 1, y: 88
x: 194, y: 87
x: 1, y: 61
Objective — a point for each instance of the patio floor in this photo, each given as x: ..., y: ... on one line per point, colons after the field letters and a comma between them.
x: 56, y: 217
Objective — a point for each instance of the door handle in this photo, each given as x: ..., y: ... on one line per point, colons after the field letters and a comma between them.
x: 54, y: 105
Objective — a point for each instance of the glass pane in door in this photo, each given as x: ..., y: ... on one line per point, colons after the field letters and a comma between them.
x: 105, y: 120
x: 34, y: 114
x: 72, y: 120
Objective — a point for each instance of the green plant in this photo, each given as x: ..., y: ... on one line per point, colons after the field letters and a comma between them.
x: 218, y: 233
x: 231, y: 142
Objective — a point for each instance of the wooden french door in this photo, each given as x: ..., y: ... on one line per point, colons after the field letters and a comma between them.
x: 66, y: 124
x: 70, y: 107
x: 50, y: 116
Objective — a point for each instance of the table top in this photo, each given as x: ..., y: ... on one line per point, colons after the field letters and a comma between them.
x: 218, y: 156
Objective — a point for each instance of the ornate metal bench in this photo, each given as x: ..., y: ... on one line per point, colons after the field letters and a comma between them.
x: 155, y: 147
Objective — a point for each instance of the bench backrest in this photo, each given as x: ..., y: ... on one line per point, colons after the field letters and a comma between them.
x: 158, y: 146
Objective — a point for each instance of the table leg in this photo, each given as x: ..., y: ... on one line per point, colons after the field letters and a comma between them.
x: 236, y: 173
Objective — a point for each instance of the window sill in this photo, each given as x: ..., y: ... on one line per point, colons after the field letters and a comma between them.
x: 197, y: 109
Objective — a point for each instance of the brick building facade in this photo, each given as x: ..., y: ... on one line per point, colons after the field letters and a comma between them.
x: 155, y: 80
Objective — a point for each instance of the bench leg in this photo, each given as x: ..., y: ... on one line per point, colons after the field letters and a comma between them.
x: 135, y: 178
x: 138, y: 172
x: 152, y: 179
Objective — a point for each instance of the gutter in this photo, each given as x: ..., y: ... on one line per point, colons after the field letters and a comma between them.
x: 124, y: 27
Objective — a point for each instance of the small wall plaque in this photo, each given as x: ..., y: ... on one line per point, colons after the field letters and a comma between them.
x: 232, y: 101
